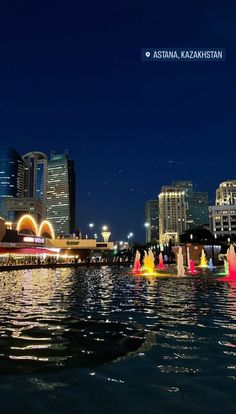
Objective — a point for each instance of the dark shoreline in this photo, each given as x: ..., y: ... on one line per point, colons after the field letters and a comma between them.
x: 8, y: 268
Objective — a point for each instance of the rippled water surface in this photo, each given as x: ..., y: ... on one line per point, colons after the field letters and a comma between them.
x: 98, y: 340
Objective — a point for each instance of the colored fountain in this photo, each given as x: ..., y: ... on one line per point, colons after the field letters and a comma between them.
x: 231, y: 259
x: 210, y: 265
x: 161, y: 262
x: 192, y: 269
x: 137, y: 264
x: 180, y: 263
x: 149, y: 261
x: 226, y: 267
x: 145, y: 259
x: 203, y: 260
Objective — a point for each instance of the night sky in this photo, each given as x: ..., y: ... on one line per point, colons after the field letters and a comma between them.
x: 71, y: 77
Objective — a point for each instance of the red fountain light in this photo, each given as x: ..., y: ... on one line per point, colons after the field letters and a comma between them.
x: 161, y: 262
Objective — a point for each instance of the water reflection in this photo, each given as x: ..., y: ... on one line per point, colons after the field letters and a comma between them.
x: 55, y: 319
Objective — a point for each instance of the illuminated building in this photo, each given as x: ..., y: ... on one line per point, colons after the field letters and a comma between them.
x: 223, y: 220
x: 187, y: 187
x: 172, y: 213
x: 196, y: 204
x: 226, y: 193
x: 11, y: 174
x: 152, y: 221
x: 13, y: 208
x: 35, y: 177
x: 200, y: 208
x: 61, y: 194
x: 28, y: 239
x: 223, y: 214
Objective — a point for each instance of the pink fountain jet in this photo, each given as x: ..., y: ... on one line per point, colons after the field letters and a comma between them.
x: 192, y: 269
x: 161, y: 263
x: 137, y: 264
x: 230, y: 265
x: 231, y: 259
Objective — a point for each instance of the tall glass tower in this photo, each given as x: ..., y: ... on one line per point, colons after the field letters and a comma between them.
x: 152, y: 218
x: 35, y: 177
x: 61, y: 194
x: 11, y: 174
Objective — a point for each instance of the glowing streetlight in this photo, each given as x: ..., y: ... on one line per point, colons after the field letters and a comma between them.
x: 91, y: 226
x: 147, y: 225
x: 130, y: 236
x: 105, y: 234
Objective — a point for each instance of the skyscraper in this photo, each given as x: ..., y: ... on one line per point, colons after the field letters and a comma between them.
x: 11, y: 174
x: 35, y: 177
x: 187, y: 187
x: 61, y: 194
x: 172, y: 213
x: 200, y: 213
x: 152, y: 220
x: 196, y: 204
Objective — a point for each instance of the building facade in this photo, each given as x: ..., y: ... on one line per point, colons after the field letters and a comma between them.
x: 13, y: 208
x: 172, y: 213
x: 61, y: 194
x: 11, y: 174
x: 35, y: 177
x: 152, y: 221
x: 200, y: 213
x: 196, y: 204
x: 223, y: 214
x: 226, y: 193
x: 187, y: 187
x: 223, y: 220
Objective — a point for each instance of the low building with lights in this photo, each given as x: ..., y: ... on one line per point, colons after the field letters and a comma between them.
x: 28, y: 240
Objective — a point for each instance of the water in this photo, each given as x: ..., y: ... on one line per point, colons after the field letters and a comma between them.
x: 98, y: 340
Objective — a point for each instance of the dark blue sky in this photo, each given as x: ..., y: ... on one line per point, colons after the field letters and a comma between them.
x: 71, y: 77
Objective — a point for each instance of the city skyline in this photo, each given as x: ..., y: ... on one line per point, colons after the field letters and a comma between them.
x: 72, y: 77
x: 36, y: 169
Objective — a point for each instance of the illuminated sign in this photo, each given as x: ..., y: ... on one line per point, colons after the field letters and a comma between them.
x: 32, y: 239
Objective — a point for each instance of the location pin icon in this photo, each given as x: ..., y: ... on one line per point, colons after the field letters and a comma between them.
x: 147, y: 54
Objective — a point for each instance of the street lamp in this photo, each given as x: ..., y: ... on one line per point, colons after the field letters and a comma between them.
x: 130, y: 236
x: 147, y: 225
x: 91, y: 226
x: 105, y: 234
